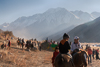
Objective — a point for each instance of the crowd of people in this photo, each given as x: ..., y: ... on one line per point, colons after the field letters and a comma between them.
x: 30, y: 44
x: 64, y: 46
x: 92, y: 53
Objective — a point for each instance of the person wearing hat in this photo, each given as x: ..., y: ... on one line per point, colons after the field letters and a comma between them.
x: 75, y: 46
x: 64, y: 45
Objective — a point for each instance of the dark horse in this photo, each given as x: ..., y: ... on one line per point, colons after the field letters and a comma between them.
x: 63, y: 60
x: 29, y: 45
x: 79, y: 59
x: 2, y: 46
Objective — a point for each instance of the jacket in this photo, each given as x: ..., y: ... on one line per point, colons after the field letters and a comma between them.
x: 54, y: 56
x: 89, y: 51
x: 75, y: 46
x: 64, y: 47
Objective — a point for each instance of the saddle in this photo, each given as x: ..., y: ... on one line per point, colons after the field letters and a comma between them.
x: 68, y: 58
x: 64, y: 57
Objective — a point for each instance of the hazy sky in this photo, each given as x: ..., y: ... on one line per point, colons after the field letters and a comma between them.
x: 10, y: 10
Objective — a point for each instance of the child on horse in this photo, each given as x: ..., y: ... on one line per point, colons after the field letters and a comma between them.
x: 64, y: 45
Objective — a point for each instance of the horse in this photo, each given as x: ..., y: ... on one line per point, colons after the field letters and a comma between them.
x: 63, y: 60
x: 19, y: 44
x: 2, y: 46
x: 79, y: 59
x: 28, y: 44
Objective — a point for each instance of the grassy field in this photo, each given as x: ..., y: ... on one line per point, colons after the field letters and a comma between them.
x: 16, y: 57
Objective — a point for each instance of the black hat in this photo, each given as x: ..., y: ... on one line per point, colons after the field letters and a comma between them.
x: 65, y: 35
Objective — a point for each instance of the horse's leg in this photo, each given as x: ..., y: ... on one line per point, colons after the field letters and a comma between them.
x: 20, y: 45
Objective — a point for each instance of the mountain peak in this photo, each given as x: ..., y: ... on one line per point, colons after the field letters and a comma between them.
x: 59, y: 9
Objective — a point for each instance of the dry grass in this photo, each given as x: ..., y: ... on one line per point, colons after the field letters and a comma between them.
x: 19, y: 58
x: 16, y: 57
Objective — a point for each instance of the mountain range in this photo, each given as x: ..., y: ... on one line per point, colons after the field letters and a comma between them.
x: 51, y: 23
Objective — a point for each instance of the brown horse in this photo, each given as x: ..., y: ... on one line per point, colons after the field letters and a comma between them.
x: 79, y: 59
x: 19, y: 44
x: 63, y: 60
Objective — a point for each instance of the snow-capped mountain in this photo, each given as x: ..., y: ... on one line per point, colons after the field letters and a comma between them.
x: 84, y: 16
x: 23, y: 22
x: 48, y: 23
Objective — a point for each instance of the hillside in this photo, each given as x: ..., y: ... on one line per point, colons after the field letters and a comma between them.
x: 88, y: 32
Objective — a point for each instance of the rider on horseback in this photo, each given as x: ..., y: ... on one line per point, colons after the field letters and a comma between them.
x: 79, y: 55
x: 75, y: 46
x: 64, y: 45
x: 64, y: 59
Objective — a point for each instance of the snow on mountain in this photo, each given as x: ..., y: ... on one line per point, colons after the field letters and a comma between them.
x: 48, y: 23
x: 57, y: 16
x: 23, y: 22
x: 84, y: 16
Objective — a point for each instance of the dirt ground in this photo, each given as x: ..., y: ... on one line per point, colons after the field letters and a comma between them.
x: 16, y: 57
